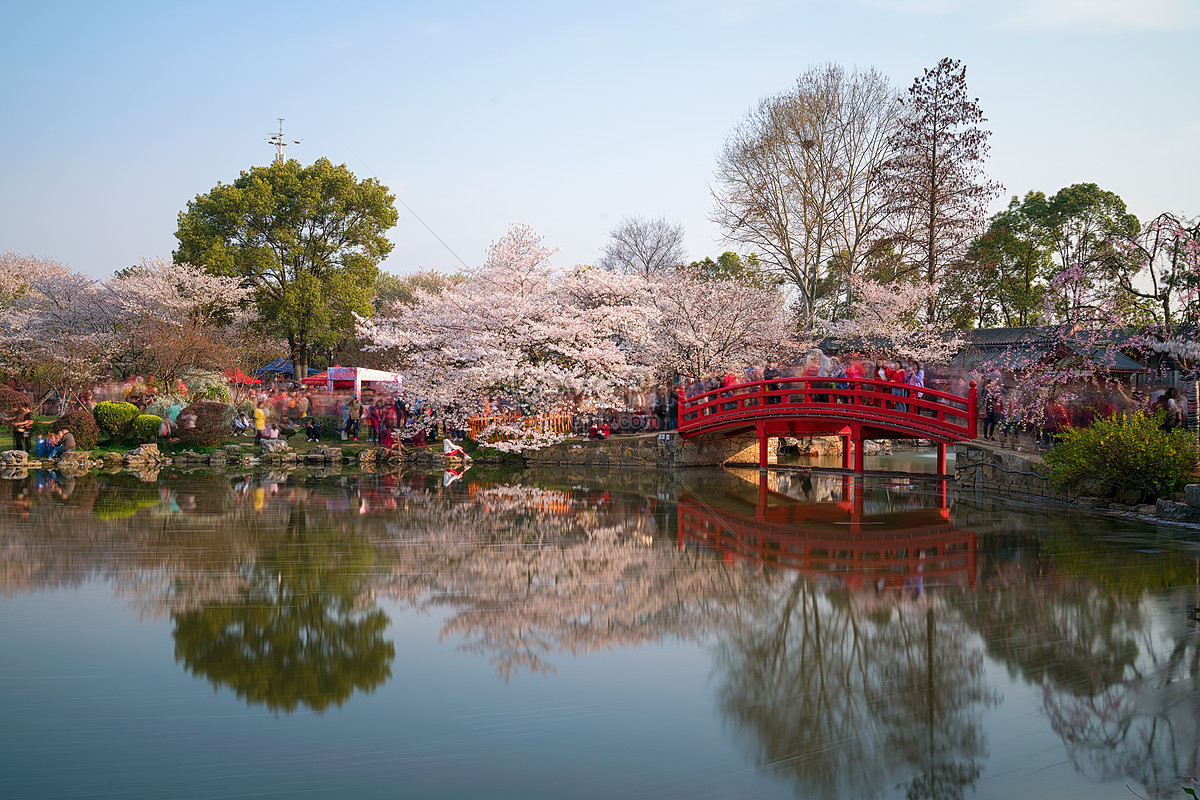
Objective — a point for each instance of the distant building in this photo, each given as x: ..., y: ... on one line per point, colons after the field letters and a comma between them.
x: 1014, y: 350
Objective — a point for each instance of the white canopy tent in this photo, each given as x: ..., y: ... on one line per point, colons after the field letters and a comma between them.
x: 359, y: 375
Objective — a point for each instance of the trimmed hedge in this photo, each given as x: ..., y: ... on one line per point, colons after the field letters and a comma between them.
x: 145, y: 429
x: 115, y: 419
x: 82, y: 426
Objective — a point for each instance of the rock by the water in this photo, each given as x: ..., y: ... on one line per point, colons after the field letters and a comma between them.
x: 1177, y: 512
x: 143, y: 453
x: 1191, y: 494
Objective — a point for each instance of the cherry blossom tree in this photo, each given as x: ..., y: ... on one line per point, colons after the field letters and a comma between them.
x: 1150, y: 312
x: 889, y: 317
x: 519, y: 329
x: 704, y: 326
x: 516, y: 327
x: 177, y: 317
x: 55, y: 322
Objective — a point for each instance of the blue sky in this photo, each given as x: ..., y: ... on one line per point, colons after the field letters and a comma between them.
x: 568, y: 116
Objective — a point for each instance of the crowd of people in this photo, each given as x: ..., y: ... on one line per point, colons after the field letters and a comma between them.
x: 388, y: 419
x: 1073, y: 407
x: 391, y: 418
x: 848, y: 374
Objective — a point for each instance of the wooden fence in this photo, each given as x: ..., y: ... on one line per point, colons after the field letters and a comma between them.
x: 537, y: 424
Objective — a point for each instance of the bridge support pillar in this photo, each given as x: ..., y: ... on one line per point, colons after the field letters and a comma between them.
x: 856, y: 437
x: 763, y: 442
x: 845, y: 452
x: 941, y: 458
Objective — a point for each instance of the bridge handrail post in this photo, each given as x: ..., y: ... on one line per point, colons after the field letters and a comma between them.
x: 972, y: 421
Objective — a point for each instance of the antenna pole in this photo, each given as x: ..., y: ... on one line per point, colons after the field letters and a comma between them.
x: 280, y: 143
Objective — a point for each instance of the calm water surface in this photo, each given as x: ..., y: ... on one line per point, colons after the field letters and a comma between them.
x: 591, y: 635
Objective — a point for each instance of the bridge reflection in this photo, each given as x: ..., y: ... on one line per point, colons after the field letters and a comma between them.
x: 840, y: 529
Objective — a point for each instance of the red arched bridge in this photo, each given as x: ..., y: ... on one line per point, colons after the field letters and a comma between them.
x: 855, y: 409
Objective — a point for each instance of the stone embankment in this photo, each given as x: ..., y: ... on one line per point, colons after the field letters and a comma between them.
x: 664, y: 449
x: 985, y: 467
x: 147, y: 460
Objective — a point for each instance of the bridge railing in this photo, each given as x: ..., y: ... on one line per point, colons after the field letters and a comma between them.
x: 859, y: 398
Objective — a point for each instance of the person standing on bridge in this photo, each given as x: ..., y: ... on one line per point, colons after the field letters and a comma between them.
x: 770, y: 373
x: 900, y: 377
x: 881, y: 374
x: 916, y: 379
x: 836, y: 370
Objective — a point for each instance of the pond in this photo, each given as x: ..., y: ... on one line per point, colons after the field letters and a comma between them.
x: 699, y: 634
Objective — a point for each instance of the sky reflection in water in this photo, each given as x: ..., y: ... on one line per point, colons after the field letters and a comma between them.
x: 695, y: 634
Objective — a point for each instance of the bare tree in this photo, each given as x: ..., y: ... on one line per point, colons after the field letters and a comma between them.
x: 646, y: 247
x: 938, y: 191
x: 798, y: 180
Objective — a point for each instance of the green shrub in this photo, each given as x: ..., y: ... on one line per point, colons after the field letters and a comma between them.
x: 214, y: 424
x: 82, y: 426
x: 330, y: 425
x: 1120, y: 453
x: 145, y: 429
x: 115, y: 419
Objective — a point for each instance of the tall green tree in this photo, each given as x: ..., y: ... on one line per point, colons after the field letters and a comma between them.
x: 1062, y: 248
x: 1012, y: 263
x: 1085, y: 221
x: 731, y: 266
x: 308, y: 240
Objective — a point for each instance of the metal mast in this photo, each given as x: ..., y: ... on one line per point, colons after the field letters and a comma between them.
x: 280, y: 143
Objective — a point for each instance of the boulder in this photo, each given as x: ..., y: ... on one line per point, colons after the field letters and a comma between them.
x: 144, y: 454
x: 275, y: 446
x: 1176, y: 512
x: 1191, y: 494
x: 330, y: 455
x: 14, y: 458
x: 74, y: 463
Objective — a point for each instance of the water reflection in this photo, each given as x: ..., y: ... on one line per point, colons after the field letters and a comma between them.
x: 836, y: 528
x: 849, y: 621
x: 297, y: 631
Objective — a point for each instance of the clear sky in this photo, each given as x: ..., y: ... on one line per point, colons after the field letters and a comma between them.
x: 568, y: 116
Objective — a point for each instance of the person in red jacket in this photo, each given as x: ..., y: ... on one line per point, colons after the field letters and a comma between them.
x: 899, y: 376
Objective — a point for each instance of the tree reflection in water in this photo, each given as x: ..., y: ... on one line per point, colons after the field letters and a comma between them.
x: 855, y: 678
x: 523, y: 573
x: 296, y: 633
x: 853, y: 625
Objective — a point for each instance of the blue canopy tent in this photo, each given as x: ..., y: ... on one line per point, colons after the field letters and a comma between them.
x: 281, y: 366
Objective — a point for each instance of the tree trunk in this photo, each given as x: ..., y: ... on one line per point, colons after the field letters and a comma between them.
x: 300, y: 360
